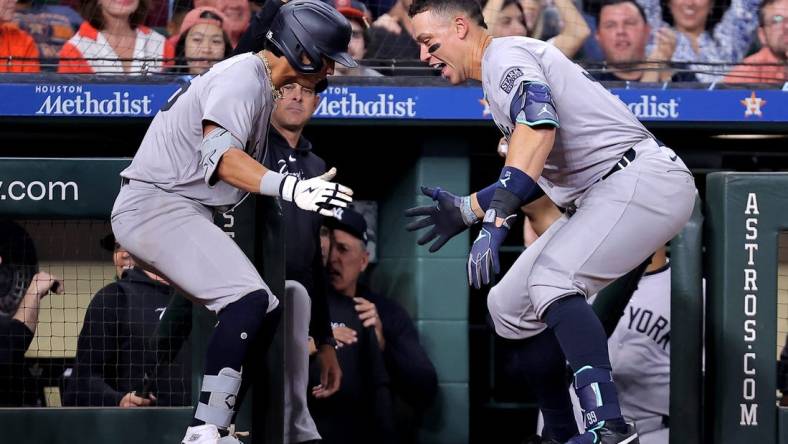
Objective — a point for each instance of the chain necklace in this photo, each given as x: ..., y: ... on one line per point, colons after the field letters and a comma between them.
x: 275, y: 93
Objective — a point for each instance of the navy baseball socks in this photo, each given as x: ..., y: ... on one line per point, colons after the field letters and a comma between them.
x: 543, y: 363
x: 239, y: 333
x: 583, y: 341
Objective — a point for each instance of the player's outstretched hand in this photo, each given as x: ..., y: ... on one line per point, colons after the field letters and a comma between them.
x: 446, y: 217
x: 317, y: 194
x: 483, y: 262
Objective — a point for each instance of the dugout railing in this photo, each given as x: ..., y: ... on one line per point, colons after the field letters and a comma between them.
x: 85, y: 189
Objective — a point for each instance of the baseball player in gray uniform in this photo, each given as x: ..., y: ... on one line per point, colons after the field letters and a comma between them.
x: 202, y: 154
x: 591, y: 156
x: 640, y: 353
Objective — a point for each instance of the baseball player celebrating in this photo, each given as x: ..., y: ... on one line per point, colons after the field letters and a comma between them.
x: 202, y: 154
x: 626, y: 195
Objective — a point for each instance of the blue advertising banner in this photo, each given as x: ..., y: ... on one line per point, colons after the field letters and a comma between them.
x: 83, y: 100
x: 392, y: 102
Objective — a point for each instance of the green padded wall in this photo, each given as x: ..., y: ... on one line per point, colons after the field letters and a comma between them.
x: 744, y: 213
x: 686, y: 335
x: 432, y: 287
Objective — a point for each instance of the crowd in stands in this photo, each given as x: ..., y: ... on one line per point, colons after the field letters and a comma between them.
x: 626, y: 40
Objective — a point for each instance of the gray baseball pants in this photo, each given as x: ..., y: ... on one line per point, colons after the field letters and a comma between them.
x: 617, y: 224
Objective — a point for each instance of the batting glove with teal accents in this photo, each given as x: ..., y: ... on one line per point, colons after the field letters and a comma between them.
x: 483, y: 262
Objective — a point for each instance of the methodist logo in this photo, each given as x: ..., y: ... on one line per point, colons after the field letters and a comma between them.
x: 357, y: 103
x: 650, y: 107
x: 72, y: 100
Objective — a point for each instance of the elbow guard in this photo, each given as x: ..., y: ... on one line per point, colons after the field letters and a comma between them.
x: 212, y: 148
x: 532, y: 105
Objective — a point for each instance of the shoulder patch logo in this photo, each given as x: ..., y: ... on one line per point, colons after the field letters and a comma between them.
x: 509, y: 78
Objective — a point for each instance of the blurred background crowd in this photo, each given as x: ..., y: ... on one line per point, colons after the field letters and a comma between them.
x: 627, y: 40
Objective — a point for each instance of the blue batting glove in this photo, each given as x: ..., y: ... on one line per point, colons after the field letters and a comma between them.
x: 483, y: 262
x: 449, y: 216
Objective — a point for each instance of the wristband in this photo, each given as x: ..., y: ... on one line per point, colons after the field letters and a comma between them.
x: 485, y: 196
x: 516, y: 182
x: 271, y: 182
x: 504, y: 204
x: 468, y: 216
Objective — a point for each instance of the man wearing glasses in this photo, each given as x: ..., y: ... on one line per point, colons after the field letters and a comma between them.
x: 290, y: 153
x: 769, y: 64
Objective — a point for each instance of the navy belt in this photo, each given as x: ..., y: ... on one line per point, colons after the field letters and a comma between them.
x: 626, y: 159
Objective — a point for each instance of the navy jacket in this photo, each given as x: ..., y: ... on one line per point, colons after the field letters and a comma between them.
x: 114, y: 351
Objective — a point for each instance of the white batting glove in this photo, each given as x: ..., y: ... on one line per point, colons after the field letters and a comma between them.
x: 317, y: 194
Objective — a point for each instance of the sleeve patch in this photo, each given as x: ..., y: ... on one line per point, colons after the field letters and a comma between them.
x: 509, y: 78
x: 533, y: 105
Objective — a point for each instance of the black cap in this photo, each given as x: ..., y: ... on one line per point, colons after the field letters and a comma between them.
x: 349, y: 221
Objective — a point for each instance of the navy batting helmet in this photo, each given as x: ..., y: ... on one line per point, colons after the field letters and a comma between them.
x: 314, y: 29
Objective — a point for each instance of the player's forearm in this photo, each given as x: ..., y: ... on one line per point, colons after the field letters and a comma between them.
x: 241, y: 171
x: 529, y: 148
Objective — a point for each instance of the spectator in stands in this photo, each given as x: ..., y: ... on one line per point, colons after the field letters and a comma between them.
x: 356, y: 13
x: 509, y: 20
x: 391, y: 37
x: 113, y: 40
x: 18, y: 52
x: 728, y: 42
x: 115, y: 353
x: 412, y: 376
x: 203, y: 41
x: 179, y: 10
x: 22, y: 287
x: 571, y: 38
x: 622, y: 34
x: 773, y: 35
x: 50, y: 26
x: 238, y: 14
x: 361, y: 411
x: 121, y: 258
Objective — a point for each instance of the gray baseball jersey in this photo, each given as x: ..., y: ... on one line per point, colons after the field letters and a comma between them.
x: 653, y: 191
x: 163, y: 215
x: 640, y: 350
x: 595, y: 128
x: 236, y: 95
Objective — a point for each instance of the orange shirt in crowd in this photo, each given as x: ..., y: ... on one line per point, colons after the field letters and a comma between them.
x: 17, y: 43
x: 758, y: 73
x: 88, y: 52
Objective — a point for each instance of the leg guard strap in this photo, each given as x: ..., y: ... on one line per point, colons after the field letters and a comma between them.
x: 597, y: 395
x: 223, y: 389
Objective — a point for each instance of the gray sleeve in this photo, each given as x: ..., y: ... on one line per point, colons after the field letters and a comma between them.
x: 234, y: 99
x: 519, y: 76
